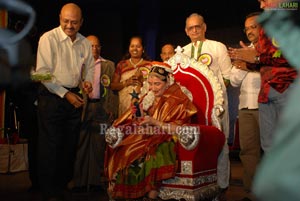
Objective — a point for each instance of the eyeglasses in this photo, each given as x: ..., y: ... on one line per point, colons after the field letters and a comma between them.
x: 250, y: 27
x: 197, y: 27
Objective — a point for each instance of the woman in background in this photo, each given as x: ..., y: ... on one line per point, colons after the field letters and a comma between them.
x: 130, y: 73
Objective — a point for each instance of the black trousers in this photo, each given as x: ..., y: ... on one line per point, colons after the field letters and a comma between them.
x: 59, y: 125
x: 89, y: 165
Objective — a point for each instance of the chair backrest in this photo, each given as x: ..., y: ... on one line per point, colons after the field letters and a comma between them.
x: 204, y: 86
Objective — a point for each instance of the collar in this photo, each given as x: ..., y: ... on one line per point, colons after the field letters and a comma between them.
x: 100, y: 59
x: 196, y: 44
x: 63, y: 36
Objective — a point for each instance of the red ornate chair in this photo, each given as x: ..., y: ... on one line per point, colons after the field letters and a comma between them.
x: 196, y: 178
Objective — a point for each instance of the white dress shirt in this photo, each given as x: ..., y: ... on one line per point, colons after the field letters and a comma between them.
x: 68, y: 62
x: 250, y: 86
x: 249, y: 82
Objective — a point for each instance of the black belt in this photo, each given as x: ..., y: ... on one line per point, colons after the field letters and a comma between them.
x: 74, y: 90
x: 94, y: 100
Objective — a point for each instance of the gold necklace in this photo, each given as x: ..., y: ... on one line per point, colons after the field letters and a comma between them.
x: 135, y: 65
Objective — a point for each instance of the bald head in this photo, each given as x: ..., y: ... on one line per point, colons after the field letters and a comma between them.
x: 96, y: 46
x: 71, y: 7
x: 70, y: 19
x: 92, y: 38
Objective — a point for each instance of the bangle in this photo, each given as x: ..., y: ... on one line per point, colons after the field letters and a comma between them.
x: 257, y: 59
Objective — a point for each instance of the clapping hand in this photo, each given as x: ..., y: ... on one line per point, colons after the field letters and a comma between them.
x: 245, y: 53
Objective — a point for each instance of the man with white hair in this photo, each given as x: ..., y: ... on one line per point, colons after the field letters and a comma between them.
x: 214, y: 55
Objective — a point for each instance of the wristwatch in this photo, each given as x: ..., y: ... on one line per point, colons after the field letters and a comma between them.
x: 257, y: 59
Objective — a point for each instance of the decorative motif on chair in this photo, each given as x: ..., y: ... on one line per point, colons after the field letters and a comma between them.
x: 179, y: 59
x: 189, y: 136
x: 113, y: 136
x: 217, y: 113
x: 186, y: 167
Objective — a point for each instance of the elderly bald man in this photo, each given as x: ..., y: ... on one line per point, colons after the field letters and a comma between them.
x: 67, y: 56
x: 100, y: 110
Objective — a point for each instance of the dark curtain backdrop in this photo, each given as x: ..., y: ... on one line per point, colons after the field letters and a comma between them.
x: 158, y: 21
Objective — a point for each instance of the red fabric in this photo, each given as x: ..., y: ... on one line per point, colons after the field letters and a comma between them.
x: 204, y: 158
x: 205, y: 155
x: 275, y: 71
x: 3, y: 18
x: 197, y: 84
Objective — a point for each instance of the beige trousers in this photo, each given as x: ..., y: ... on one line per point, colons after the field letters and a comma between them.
x: 250, y: 152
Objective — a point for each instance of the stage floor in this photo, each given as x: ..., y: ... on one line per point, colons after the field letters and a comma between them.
x: 13, y: 187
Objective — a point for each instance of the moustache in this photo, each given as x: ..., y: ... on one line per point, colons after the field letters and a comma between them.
x: 71, y: 29
x: 250, y: 35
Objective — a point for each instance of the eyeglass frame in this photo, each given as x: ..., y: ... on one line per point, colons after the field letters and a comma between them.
x: 197, y: 27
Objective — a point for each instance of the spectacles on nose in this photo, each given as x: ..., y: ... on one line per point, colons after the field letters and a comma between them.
x: 197, y: 27
x: 250, y: 27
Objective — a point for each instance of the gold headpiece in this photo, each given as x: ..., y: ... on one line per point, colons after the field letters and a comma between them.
x: 161, y: 68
